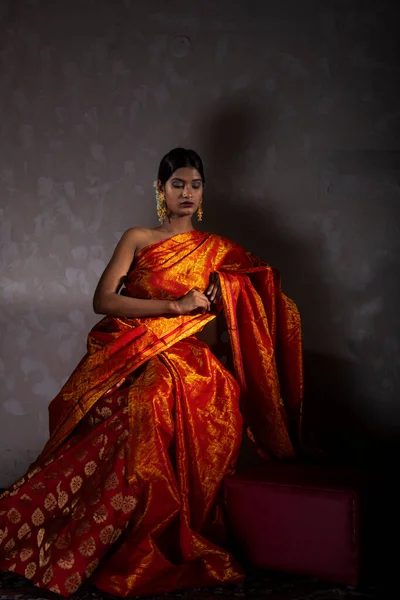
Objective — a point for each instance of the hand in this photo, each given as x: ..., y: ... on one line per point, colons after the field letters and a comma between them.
x: 193, y: 300
x: 213, y: 292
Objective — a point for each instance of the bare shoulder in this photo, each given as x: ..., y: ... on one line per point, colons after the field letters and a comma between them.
x: 140, y: 237
x: 134, y: 237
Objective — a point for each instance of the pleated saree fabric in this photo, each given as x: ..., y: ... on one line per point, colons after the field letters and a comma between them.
x: 127, y: 491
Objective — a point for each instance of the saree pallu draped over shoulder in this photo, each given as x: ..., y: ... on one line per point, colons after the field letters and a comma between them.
x: 127, y: 490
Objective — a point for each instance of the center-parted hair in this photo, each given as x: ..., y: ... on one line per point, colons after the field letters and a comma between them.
x: 176, y: 159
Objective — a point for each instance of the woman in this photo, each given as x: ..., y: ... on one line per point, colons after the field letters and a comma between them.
x: 127, y: 491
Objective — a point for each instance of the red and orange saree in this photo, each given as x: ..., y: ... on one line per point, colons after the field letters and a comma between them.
x: 127, y: 490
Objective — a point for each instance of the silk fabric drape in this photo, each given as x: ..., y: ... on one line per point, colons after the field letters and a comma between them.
x: 127, y: 489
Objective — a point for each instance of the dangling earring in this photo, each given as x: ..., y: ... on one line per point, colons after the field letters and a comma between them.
x: 161, y: 204
x: 200, y: 211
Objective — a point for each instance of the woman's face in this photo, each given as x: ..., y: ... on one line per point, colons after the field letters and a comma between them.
x: 183, y: 191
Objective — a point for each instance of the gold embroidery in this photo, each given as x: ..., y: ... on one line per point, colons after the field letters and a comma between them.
x: 40, y: 536
x: 67, y: 561
x: 90, y: 468
x: 79, y: 512
x: 105, y: 412
x: 67, y: 470
x: 50, y: 502
x: 87, y: 547
x: 62, y: 499
x: 4, y: 533
x: 50, y: 540
x: 9, y: 546
x: 115, y: 535
x: 38, y: 487
x: 63, y: 541
x: 26, y: 498
x: 98, y: 440
x: 115, y: 424
x: 129, y: 504
x: 32, y: 473
x: 55, y: 589
x: 13, y: 516
x: 38, y: 517
x: 106, y: 534
x: 101, y: 514
x: 43, y: 560
x: 30, y: 570
x: 109, y: 453
x: 25, y: 554
x: 48, y: 575
x: 23, y: 530
x: 117, y: 501
x: 76, y: 483
x: 90, y: 569
x: 72, y: 583
x: 123, y: 436
x: 111, y: 482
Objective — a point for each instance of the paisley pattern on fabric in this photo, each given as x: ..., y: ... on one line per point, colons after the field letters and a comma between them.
x: 127, y: 491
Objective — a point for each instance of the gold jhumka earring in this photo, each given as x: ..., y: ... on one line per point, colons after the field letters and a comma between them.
x: 161, y: 204
x: 200, y: 211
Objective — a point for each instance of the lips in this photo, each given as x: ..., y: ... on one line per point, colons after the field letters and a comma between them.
x: 187, y: 204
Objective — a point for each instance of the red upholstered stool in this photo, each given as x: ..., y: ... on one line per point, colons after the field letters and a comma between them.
x: 297, y: 519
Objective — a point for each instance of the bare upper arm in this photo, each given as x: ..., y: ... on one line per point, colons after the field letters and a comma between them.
x: 114, y: 273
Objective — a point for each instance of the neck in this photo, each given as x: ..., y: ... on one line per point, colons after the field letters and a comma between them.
x: 177, y: 225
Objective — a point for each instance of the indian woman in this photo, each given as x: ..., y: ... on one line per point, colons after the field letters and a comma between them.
x: 126, y: 494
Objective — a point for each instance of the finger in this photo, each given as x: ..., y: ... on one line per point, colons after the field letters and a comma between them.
x: 211, y: 284
x: 215, y: 293
x: 217, y: 288
x: 203, y: 302
x: 211, y: 290
x: 217, y: 297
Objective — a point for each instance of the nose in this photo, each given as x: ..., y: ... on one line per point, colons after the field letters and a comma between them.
x: 186, y: 193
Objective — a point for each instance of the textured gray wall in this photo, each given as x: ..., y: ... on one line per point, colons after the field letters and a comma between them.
x: 294, y: 108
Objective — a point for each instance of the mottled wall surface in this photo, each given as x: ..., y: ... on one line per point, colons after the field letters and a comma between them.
x: 293, y: 106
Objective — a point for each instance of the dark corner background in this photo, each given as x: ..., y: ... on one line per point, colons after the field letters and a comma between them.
x: 294, y: 107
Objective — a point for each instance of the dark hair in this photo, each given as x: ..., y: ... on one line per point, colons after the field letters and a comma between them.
x: 176, y: 159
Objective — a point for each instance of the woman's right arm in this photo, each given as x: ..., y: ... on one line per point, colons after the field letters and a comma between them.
x: 107, y: 300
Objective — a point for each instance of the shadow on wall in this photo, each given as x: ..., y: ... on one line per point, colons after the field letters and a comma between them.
x: 336, y: 427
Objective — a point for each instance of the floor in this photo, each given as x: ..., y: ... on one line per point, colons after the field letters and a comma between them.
x: 271, y: 586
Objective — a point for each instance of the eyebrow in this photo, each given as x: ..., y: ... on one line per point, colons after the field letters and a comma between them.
x: 184, y: 180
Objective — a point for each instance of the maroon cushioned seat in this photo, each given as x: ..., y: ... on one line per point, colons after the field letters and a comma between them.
x: 297, y: 519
